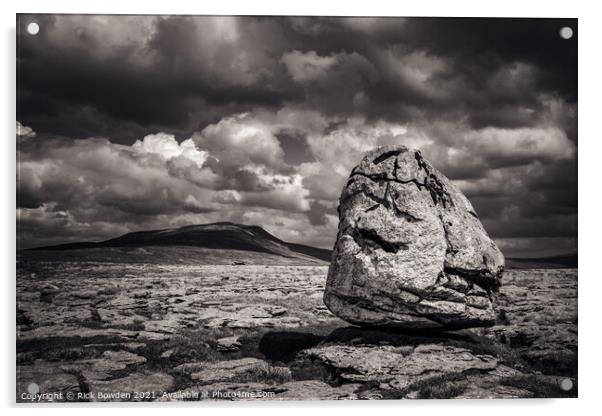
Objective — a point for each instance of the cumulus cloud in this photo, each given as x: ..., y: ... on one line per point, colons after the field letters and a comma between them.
x: 286, y: 193
x: 519, y: 146
x: 341, y: 148
x: 24, y: 131
x: 166, y: 147
x: 241, y: 140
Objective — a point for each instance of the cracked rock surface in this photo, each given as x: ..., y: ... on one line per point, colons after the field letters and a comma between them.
x: 410, y: 251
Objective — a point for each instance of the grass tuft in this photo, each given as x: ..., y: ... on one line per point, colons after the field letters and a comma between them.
x: 445, y: 386
x: 265, y: 373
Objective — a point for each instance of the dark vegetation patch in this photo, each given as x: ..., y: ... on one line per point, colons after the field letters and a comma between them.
x: 539, y: 387
x: 557, y: 364
x: 308, y: 369
x: 445, y: 386
x: 283, y: 346
x: 23, y: 319
x: 68, y: 348
x: 136, y: 326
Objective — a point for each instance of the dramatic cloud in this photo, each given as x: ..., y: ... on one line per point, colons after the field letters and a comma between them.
x: 307, y: 67
x: 140, y: 122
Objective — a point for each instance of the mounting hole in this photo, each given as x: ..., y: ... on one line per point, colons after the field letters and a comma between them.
x: 33, y: 28
x: 33, y: 388
x: 566, y: 384
x: 566, y: 32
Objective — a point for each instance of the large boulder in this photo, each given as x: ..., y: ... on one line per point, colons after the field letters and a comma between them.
x: 410, y: 251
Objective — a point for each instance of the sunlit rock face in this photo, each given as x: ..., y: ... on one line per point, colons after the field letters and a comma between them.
x: 410, y: 251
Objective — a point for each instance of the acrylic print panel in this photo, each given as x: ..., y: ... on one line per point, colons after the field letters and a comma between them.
x: 295, y: 208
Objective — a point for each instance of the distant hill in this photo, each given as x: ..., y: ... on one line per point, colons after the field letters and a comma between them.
x: 565, y: 261
x: 221, y: 237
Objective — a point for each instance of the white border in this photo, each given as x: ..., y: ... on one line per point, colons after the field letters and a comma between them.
x: 590, y: 151
x: 506, y: 8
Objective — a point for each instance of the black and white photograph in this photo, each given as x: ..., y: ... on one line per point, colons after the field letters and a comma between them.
x: 295, y: 208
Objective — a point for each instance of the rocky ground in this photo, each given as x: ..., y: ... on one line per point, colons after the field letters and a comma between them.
x: 116, y: 331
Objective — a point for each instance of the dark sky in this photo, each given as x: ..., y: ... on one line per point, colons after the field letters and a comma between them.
x: 127, y: 123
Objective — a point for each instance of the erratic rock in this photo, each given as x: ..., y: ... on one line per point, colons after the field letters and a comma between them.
x: 411, y: 251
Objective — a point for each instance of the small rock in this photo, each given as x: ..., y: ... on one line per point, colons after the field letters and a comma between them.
x: 314, y: 390
x: 85, y: 294
x: 116, y: 360
x: 48, y: 292
x: 276, y: 310
x: 167, y: 353
x: 228, y: 344
x: 210, y: 372
x: 146, y: 385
